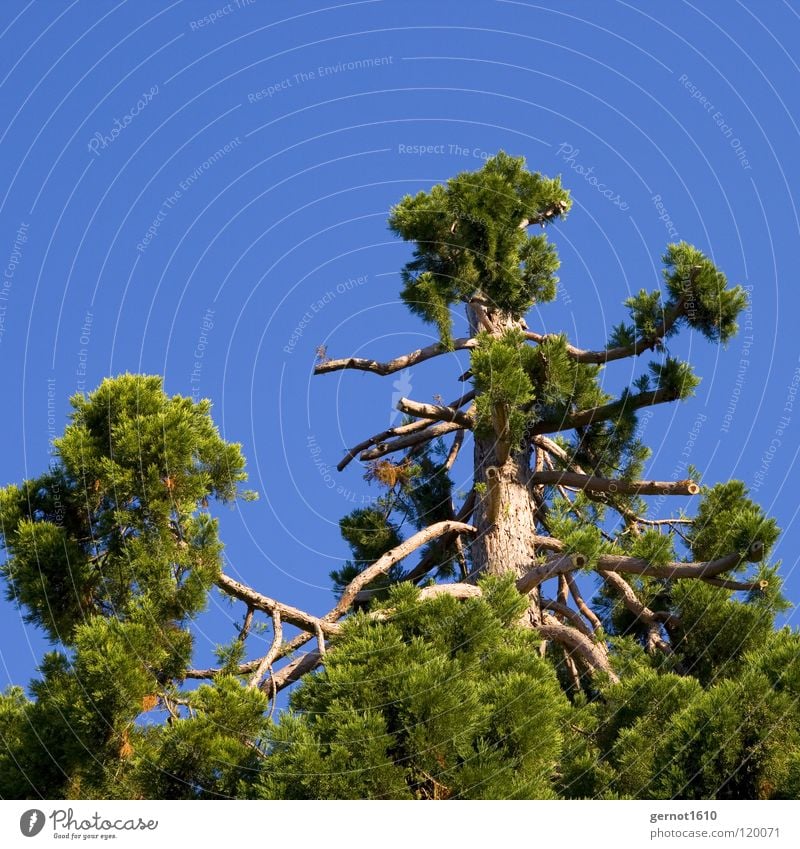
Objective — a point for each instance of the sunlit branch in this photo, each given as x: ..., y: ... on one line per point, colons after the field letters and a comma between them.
x: 609, y: 485
x: 398, y: 363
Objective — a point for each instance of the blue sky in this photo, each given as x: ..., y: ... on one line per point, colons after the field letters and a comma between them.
x: 200, y: 189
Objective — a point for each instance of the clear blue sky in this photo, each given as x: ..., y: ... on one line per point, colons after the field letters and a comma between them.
x: 186, y: 183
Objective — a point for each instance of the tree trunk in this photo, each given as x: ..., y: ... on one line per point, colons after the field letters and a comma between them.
x: 505, y: 514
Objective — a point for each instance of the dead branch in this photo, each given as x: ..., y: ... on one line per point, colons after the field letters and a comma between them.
x: 592, y: 483
x: 435, y: 412
x: 555, y: 450
x: 547, y: 543
x: 398, y: 363
x: 384, y: 563
x: 738, y: 586
x: 248, y: 667
x: 562, y: 564
x: 458, y: 441
x: 292, y: 672
x: 269, y: 658
x: 481, y: 314
x: 292, y: 615
x: 430, y: 431
x: 460, y: 591
x: 701, y: 569
x: 592, y: 654
x: 246, y: 625
x: 679, y: 521
x: 563, y: 590
x: 567, y: 613
x: 558, y: 565
x: 429, y: 560
x: 584, y: 608
x: 572, y: 668
x: 400, y: 430
x: 241, y: 669
x: 629, y: 597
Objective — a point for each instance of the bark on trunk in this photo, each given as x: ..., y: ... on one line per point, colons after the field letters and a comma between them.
x: 505, y: 515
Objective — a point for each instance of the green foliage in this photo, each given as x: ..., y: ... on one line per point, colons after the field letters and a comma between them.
x: 675, y: 378
x: 710, y: 306
x: 111, y: 552
x: 632, y: 720
x: 369, y: 534
x: 448, y: 699
x: 208, y: 754
x: 738, y: 740
x: 778, y: 658
x: 528, y: 383
x: 117, y: 524
x: 647, y: 315
x: 664, y: 736
x: 715, y: 630
x: 654, y: 547
x: 578, y: 536
x: 426, y: 297
x: 727, y: 520
x: 501, y: 371
x: 468, y: 241
x: 698, y: 297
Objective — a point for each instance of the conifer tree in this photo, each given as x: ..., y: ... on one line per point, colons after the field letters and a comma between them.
x: 542, y: 635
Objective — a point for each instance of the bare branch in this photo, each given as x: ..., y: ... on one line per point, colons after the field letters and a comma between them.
x: 242, y: 669
x: 656, y: 641
x: 605, y: 411
x: 572, y: 668
x: 592, y: 654
x: 562, y: 564
x: 430, y: 431
x: 567, y: 613
x: 563, y: 590
x: 679, y: 521
x: 558, y: 565
x: 629, y: 597
x: 321, y: 642
x: 398, y: 363
x: 292, y: 672
x: 460, y: 591
x: 292, y: 615
x: 622, y: 487
x: 436, y: 412
x: 547, y: 543
x: 248, y: 667
x: 480, y: 313
x: 269, y: 658
x: 702, y: 569
x: 384, y: 563
x: 553, y: 448
x: 578, y: 598
x: 429, y: 560
x: 458, y: 441
x: 400, y: 430
x: 553, y: 210
x: 738, y: 586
